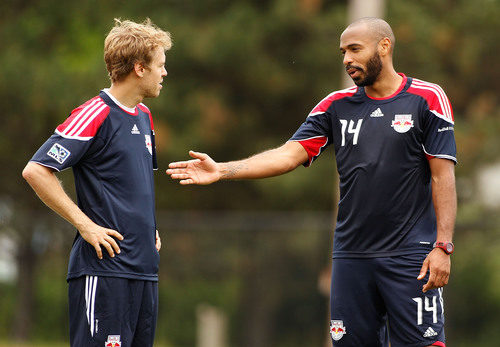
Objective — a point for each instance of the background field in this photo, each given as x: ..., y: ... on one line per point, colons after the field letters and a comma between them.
x: 242, y: 76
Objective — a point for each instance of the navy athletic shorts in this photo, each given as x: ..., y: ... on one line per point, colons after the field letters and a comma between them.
x: 112, y: 312
x: 374, y: 300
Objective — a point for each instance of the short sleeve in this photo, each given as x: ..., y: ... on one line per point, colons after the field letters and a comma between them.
x: 73, y: 138
x: 314, y: 135
x: 439, y: 127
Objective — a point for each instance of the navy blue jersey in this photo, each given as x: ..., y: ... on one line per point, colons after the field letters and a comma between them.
x: 382, y: 148
x: 112, y: 153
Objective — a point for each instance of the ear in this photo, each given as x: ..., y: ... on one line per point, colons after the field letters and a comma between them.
x: 139, y: 69
x: 384, y: 46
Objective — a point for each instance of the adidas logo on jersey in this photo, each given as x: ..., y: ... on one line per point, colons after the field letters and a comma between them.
x: 135, y: 130
x: 430, y: 332
x: 377, y: 113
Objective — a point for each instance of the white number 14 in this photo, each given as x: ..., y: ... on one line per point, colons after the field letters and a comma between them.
x: 428, y: 308
x: 351, y: 130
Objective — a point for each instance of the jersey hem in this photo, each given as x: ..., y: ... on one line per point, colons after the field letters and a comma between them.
x: 131, y: 276
x: 347, y: 254
x: 49, y: 166
x: 437, y: 343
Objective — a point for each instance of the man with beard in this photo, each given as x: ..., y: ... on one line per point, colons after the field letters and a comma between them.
x: 395, y: 151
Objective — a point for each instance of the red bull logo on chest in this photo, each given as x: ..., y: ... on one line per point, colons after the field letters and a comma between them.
x: 337, y: 329
x: 113, y: 341
x: 402, y: 123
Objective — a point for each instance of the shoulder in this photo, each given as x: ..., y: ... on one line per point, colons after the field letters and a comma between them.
x: 85, y: 120
x: 327, y: 101
x: 145, y: 109
x: 434, y: 96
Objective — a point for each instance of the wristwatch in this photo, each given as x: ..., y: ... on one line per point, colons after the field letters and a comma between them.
x: 447, y: 247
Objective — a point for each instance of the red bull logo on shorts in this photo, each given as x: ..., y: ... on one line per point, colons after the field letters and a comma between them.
x: 337, y: 329
x: 402, y: 123
x: 113, y: 341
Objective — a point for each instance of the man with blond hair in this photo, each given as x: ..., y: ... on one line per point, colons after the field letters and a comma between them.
x: 395, y: 151
x: 109, y: 143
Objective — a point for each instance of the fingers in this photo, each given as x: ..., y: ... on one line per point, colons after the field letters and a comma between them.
x: 98, y: 250
x: 431, y: 283
x: 178, y: 165
x: 115, y: 234
x: 102, y: 237
x: 198, y: 155
x: 184, y: 164
x: 423, y: 269
x: 177, y: 173
x: 158, y: 241
x: 438, y: 266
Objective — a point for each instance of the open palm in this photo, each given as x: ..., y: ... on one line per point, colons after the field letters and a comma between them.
x: 200, y: 170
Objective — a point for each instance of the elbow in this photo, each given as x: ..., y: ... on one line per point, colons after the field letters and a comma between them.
x: 33, y: 171
x: 28, y: 172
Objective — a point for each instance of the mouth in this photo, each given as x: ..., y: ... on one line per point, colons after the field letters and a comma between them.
x: 353, y: 72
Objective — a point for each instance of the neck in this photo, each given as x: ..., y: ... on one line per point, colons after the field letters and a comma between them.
x: 126, y: 94
x: 386, y: 84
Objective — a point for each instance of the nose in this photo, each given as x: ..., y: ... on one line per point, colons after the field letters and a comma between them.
x: 347, y: 59
x: 164, y: 72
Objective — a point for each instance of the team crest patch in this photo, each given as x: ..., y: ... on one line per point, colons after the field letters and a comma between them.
x: 402, y: 123
x: 337, y: 329
x: 59, y: 153
x: 113, y: 341
x: 149, y: 144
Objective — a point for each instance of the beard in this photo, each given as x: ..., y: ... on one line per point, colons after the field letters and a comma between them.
x: 373, y: 68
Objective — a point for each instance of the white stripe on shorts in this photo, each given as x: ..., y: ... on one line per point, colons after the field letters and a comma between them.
x: 90, y: 289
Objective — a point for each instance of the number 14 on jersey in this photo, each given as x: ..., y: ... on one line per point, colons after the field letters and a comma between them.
x: 351, y: 130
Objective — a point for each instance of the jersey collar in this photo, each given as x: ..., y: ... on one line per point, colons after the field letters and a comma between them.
x: 401, y: 87
x: 132, y: 111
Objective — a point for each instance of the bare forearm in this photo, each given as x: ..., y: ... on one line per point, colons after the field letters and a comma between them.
x: 50, y: 191
x: 445, y: 204
x: 270, y: 163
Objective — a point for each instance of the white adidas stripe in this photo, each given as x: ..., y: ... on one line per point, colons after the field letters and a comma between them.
x: 443, y: 100
x: 84, y: 116
x: 438, y: 90
x: 77, y: 117
x: 90, y: 119
x: 90, y: 289
x: 439, y: 93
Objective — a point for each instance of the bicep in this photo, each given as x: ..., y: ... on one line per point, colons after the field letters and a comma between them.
x: 442, y: 168
x: 295, y: 152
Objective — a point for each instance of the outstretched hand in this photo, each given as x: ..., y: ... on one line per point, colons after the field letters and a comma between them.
x: 200, y: 170
x: 438, y: 264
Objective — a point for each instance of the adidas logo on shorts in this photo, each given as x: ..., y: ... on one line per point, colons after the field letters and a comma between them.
x: 430, y: 332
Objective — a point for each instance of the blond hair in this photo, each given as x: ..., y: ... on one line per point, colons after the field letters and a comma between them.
x: 128, y: 43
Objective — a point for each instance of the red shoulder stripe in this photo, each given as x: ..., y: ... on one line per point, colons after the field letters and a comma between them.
x: 146, y: 109
x: 84, y: 120
x: 436, y: 98
x: 323, y: 105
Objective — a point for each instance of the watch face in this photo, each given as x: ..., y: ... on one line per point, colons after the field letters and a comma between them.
x: 449, y: 247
